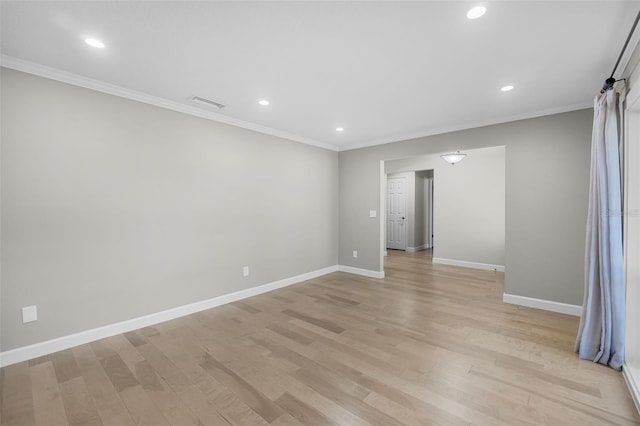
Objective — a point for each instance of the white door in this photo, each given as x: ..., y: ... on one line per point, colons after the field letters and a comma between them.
x: 397, y: 213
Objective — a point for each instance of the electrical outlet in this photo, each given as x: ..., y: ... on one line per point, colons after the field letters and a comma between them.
x: 355, y: 254
x: 245, y: 271
x: 373, y: 213
x: 29, y: 314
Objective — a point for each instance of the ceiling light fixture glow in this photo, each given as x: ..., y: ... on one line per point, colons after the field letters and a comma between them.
x: 339, y: 129
x: 507, y: 88
x: 453, y: 157
x: 94, y: 43
x: 263, y: 102
x: 476, y: 12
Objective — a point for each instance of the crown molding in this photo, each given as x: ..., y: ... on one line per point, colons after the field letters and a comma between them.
x: 111, y: 89
x: 502, y: 120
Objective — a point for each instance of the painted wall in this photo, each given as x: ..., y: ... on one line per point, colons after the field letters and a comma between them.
x: 469, y: 204
x: 114, y: 209
x: 547, y: 179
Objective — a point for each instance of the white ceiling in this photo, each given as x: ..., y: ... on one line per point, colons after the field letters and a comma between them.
x: 384, y: 71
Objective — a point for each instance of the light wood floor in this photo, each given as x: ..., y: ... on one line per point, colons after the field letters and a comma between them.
x: 429, y: 344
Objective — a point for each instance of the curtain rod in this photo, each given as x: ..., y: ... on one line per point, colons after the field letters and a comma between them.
x: 608, y: 83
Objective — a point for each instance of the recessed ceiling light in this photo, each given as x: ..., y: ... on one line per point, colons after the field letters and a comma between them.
x: 339, y: 129
x: 263, y: 102
x: 507, y: 88
x: 94, y: 43
x: 476, y: 12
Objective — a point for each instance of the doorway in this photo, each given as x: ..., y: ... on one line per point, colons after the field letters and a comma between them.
x: 468, y: 227
x: 409, y: 211
x: 397, y: 212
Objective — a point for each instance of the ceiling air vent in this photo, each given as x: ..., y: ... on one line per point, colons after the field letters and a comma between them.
x: 208, y: 102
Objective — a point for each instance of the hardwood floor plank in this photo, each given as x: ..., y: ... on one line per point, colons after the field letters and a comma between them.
x: 119, y: 374
x: 296, y: 337
x: 39, y: 360
x: 246, y: 307
x: 347, y: 347
x: 426, y: 345
x: 65, y: 365
x: 17, y: 400
x: 110, y: 407
x: 202, y: 406
x: 326, y: 406
x: 142, y: 409
x: 165, y: 368
x: 135, y: 338
x: 47, y: 402
x: 303, y: 412
x: 393, y: 409
x: 322, y: 323
x: 78, y: 403
x: 185, y: 353
x: 228, y: 404
x: 257, y: 371
x: 286, y: 419
x: 387, y: 386
x: 102, y: 348
x: 126, y: 351
x: 247, y: 393
x: 335, y: 391
x: 147, y: 377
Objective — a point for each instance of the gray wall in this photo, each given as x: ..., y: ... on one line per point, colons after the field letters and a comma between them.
x: 547, y: 179
x: 113, y: 209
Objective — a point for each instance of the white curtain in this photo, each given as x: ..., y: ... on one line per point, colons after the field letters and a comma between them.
x: 601, y: 333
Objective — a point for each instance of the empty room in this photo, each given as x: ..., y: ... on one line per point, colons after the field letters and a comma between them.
x: 319, y: 213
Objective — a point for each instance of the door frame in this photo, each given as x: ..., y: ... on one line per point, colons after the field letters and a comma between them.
x: 429, y: 210
x: 631, y: 217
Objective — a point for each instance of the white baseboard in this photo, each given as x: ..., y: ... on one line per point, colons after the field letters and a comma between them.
x: 364, y: 272
x: 50, y: 346
x: 634, y: 390
x: 547, y: 305
x: 419, y: 248
x: 465, y: 264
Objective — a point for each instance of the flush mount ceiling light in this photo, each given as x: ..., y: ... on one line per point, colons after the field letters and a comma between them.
x: 453, y: 157
x: 507, y: 88
x: 339, y: 129
x: 94, y: 42
x: 476, y: 12
x: 263, y: 102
